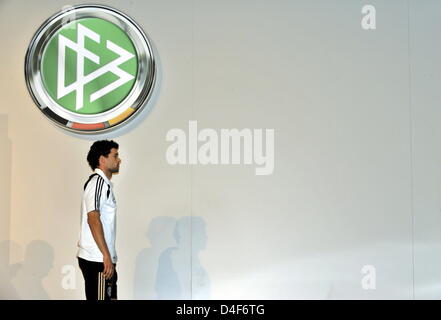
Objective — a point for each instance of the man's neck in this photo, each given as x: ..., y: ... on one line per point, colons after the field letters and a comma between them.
x: 107, y: 173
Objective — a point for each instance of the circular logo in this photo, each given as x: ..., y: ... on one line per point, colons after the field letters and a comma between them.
x: 90, y: 68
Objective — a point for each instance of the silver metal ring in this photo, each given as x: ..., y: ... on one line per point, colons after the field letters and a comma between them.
x: 102, y: 121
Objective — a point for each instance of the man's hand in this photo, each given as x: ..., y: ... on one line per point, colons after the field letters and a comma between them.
x: 109, y: 268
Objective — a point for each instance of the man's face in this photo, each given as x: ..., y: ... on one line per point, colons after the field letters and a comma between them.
x: 112, y: 161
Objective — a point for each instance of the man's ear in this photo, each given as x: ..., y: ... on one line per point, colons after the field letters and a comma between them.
x: 101, y: 159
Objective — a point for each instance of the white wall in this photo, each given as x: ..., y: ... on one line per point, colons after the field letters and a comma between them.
x: 356, y: 178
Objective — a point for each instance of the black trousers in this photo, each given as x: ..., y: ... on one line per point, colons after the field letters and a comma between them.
x: 97, y: 287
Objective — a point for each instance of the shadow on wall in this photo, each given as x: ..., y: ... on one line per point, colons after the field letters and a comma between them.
x: 7, y: 272
x: 7, y: 291
x: 38, y: 261
x: 21, y: 280
x: 171, y: 268
x: 160, y: 235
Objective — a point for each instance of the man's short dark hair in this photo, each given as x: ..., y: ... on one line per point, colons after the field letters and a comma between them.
x: 98, y: 149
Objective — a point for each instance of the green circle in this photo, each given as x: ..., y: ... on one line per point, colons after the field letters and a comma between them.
x: 106, y: 31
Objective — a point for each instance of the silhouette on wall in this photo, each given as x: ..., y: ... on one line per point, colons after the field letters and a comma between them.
x: 7, y: 291
x: 7, y: 272
x: 160, y: 235
x: 38, y: 261
x: 180, y: 274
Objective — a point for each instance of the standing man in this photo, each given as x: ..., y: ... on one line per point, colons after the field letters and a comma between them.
x: 96, y: 248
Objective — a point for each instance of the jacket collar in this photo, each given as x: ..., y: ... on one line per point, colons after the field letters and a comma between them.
x: 101, y: 173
